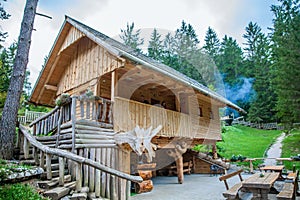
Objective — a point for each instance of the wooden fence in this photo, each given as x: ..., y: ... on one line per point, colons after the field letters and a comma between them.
x: 29, y: 116
x: 266, y: 126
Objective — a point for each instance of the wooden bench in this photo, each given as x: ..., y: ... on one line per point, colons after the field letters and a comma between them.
x: 232, y: 193
x: 290, y: 187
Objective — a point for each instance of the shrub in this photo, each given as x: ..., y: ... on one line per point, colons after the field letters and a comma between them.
x: 18, y: 191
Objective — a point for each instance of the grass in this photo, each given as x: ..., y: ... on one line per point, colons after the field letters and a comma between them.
x: 246, y: 141
x: 19, y: 191
x: 291, y: 147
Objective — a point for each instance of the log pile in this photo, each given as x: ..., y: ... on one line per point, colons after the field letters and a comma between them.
x: 146, y: 174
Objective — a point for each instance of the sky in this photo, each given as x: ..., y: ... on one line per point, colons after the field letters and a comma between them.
x: 228, y: 17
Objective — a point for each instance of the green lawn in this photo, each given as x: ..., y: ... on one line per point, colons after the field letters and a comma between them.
x: 246, y: 141
x: 291, y: 147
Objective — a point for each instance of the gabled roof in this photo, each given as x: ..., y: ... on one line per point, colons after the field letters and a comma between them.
x: 120, y: 50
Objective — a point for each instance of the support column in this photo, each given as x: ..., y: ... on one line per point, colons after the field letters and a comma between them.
x: 214, y: 151
x: 179, y: 165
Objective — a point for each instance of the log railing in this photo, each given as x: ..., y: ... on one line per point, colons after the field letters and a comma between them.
x: 129, y: 113
x: 80, y: 107
x: 42, y: 154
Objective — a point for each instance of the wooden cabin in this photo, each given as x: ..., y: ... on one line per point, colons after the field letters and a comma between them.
x: 128, y: 90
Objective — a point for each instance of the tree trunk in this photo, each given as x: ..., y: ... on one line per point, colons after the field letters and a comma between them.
x: 11, y: 106
x: 179, y: 165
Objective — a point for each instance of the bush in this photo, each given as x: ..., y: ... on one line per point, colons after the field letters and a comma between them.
x: 18, y: 191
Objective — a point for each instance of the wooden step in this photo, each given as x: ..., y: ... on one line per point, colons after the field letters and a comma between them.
x: 59, y: 192
x: 78, y: 196
x: 54, y: 166
x: 53, y: 182
x: 92, y: 196
x: 55, y: 173
x: 22, y: 157
x: 27, y: 162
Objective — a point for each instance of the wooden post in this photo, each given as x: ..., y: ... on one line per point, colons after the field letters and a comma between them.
x: 78, y: 177
x: 61, y: 180
x: 179, y: 165
x: 92, y: 171
x: 35, y: 155
x: 26, y: 148
x: 86, y: 169
x: 251, y: 166
x: 42, y: 159
x: 73, y: 118
x: 48, y: 166
x: 112, y: 188
x: 58, y: 125
x: 128, y: 184
x: 113, y: 84
x: 214, y: 151
x: 98, y: 175
x: 104, y: 175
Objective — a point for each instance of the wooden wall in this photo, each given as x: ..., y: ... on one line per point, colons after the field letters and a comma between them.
x: 88, y: 61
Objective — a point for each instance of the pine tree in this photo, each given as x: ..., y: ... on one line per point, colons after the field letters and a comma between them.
x: 10, y: 110
x: 212, y: 43
x: 230, y: 60
x: 132, y: 38
x: 3, y: 15
x: 185, y: 47
x: 286, y: 62
x: 262, y: 107
x: 168, y: 55
x: 155, y: 47
x: 7, y: 56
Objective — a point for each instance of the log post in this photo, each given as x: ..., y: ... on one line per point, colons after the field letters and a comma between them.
x: 251, y: 166
x: 59, y: 112
x: 73, y: 118
x: 128, y: 184
x: 26, y: 148
x: 78, y: 177
x: 61, y: 180
x: 98, y: 174
x: 214, y: 151
x: 48, y: 166
x: 179, y: 165
x: 180, y: 148
x: 113, y: 188
x: 35, y: 155
x: 42, y: 159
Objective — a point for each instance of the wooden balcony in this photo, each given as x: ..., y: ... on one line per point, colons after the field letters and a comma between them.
x: 127, y: 114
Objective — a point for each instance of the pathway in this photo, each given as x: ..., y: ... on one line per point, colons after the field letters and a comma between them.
x: 274, y: 151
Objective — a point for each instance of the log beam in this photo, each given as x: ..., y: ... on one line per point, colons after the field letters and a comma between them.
x: 50, y: 87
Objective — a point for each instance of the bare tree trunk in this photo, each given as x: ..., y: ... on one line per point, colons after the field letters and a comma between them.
x: 11, y: 106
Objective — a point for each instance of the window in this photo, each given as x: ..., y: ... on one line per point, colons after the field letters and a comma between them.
x: 200, y: 112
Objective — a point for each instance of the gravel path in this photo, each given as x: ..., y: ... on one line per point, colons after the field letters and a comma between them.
x: 274, y: 151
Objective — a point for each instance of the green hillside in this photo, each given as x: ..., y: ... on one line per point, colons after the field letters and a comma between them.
x: 246, y: 141
x: 252, y: 143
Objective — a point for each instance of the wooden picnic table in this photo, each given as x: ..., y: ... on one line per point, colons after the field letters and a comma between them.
x: 277, y: 168
x: 260, y: 185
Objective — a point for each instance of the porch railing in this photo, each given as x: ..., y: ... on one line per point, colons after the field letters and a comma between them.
x: 129, y: 113
x: 81, y: 107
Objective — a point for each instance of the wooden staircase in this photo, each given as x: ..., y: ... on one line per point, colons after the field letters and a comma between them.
x: 62, y: 178
x: 75, y: 145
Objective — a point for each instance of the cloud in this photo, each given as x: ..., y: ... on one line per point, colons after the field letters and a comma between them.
x: 109, y: 16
